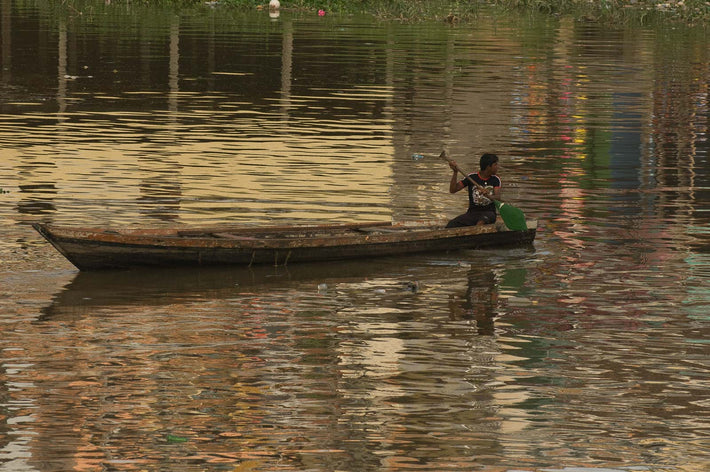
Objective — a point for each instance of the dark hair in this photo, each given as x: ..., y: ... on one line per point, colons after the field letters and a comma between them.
x: 488, y: 159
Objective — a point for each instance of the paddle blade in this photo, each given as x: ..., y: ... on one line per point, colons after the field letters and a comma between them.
x: 513, y: 217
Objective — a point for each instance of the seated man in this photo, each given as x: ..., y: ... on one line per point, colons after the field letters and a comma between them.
x: 481, y: 209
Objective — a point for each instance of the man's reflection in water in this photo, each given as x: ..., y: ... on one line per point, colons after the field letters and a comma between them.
x: 480, y: 301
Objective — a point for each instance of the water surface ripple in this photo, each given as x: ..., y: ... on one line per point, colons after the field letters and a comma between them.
x: 586, y: 352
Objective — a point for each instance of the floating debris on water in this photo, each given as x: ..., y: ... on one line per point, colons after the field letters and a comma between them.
x: 412, y: 286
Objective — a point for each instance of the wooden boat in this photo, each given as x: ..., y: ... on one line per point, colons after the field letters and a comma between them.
x: 97, y: 248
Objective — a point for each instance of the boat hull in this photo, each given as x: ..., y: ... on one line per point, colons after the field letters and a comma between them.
x: 94, y: 249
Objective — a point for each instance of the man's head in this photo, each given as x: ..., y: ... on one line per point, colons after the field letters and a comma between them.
x: 488, y: 159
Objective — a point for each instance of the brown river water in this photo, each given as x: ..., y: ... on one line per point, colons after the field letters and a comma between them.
x: 589, y: 351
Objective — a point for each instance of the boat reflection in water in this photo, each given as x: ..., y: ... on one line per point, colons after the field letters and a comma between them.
x: 164, y: 286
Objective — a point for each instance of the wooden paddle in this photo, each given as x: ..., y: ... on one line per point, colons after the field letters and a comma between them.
x: 513, y: 217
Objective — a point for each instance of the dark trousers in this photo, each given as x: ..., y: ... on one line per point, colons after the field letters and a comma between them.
x: 471, y: 218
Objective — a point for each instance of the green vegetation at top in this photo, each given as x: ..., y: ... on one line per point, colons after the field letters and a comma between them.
x: 404, y: 10
x: 624, y: 11
x: 637, y: 11
x: 453, y: 11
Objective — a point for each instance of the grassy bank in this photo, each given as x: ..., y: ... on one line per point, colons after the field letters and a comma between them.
x: 405, y: 10
x: 624, y: 11
x: 637, y: 11
x: 608, y: 11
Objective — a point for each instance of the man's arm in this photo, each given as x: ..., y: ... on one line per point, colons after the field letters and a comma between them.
x: 455, y: 185
x: 496, y: 193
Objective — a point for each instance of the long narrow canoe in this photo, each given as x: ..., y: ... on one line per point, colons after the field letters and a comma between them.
x: 97, y: 248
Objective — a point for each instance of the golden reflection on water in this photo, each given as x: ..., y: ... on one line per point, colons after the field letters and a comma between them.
x: 227, y: 173
x: 229, y: 157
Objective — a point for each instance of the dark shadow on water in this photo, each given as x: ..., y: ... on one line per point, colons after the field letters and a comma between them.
x: 91, y: 290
